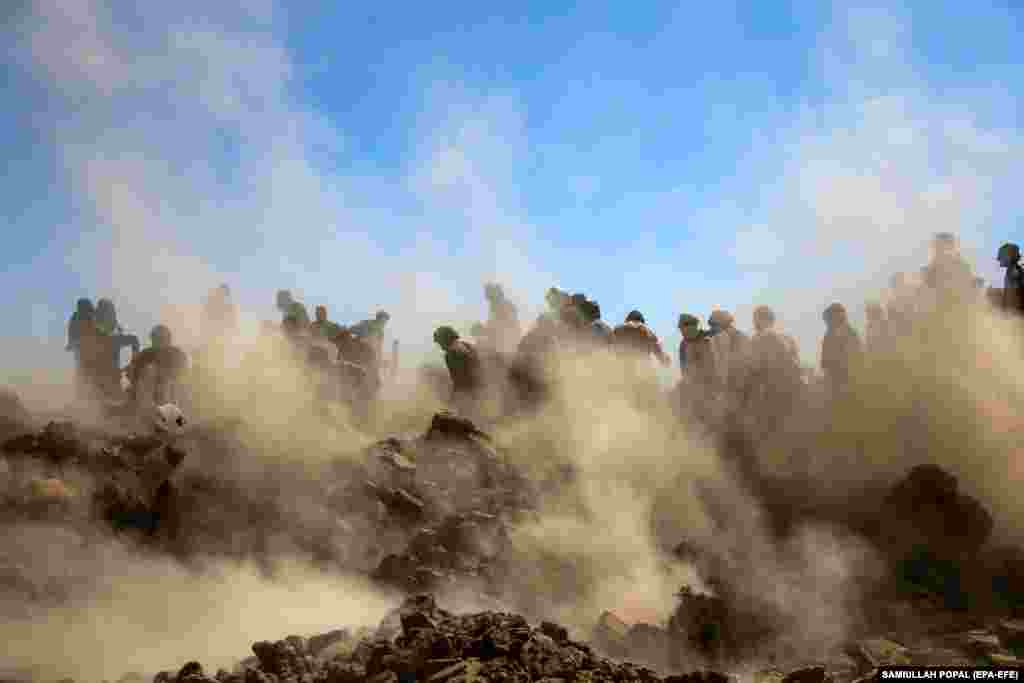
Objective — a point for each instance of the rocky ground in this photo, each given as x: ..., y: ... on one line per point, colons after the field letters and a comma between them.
x: 426, y: 514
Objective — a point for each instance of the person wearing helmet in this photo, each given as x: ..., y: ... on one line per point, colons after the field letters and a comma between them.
x: 372, y: 331
x: 289, y: 307
x: 155, y: 373
x: 502, y: 331
x: 634, y: 337
x: 464, y: 366
x: 698, y: 361
x: 840, y: 349
x: 323, y: 329
x: 88, y: 346
x: 220, y: 315
x: 1013, y: 280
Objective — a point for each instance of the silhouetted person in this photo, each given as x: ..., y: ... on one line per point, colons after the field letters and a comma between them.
x: 1013, y: 280
x: 84, y: 315
x: 502, y: 331
x: 731, y: 348
x: 464, y: 366
x: 877, y: 332
x: 634, y: 337
x: 774, y: 377
x: 220, y: 315
x: 289, y: 307
x: 323, y: 329
x: 115, y: 339
x: 948, y: 276
x: 701, y: 365
x: 156, y: 372
x: 840, y: 350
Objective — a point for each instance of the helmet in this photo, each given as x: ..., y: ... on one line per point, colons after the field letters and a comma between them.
x: 85, y: 307
x: 835, y: 313
x: 1009, y: 252
x: 686, y: 319
x: 635, y: 316
x: 382, y: 316
x: 284, y: 297
x: 445, y: 335
x: 555, y: 297
x: 160, y: 336
x: 764, y: 315
x: 721, y: 318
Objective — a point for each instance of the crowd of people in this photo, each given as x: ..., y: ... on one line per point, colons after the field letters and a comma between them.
x: 719, y: 365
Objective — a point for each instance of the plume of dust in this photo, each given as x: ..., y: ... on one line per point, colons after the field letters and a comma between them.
x: 131, y: 612
x: 593, y: 546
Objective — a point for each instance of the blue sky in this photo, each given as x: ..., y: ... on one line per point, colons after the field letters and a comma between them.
x: 660, y: 156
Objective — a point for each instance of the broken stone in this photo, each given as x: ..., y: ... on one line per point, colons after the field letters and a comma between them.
x: 882, y: 652
x: 557, y: 633
x: 318, y: 644
x: 980, y: 642
x: 811, y: 674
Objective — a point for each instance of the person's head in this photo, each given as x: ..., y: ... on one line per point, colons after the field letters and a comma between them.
x: 160, y: 336
x: 445, y: 336
x: 635, y: 317
x: 689, y: 325
x: 720, y: 319
x: 223, y: 292
x: 1009, y: 254
x: 105, y: 311
x: 321, y: 314
x: 834, y: 315
x: 493, y: 292
x: 874, y: 312
x: 944, y: 244
x: 382, y: 317
x: 284, y: 299
x: 556, y: 298
x: 764, y: 318
x: 84, y: 307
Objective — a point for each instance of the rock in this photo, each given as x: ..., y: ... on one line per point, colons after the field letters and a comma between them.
x: 454, y: 667
x: 447, y: 424
x: 319, y: 643
x: 1011, y: 632
x: 189, y: 670
x: 882, y: 652
x: 542, y: 657
x: 979, y: 642
x: 811, y: 674
x: 416, y: 620
x: 702, y: 676
x: 1006, y: 660
x: 768, y: 676
x: 557, y: 633
x: 345, y: 672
